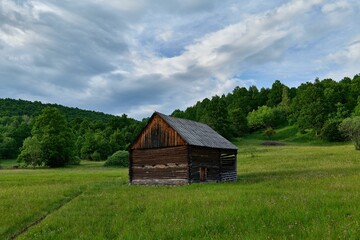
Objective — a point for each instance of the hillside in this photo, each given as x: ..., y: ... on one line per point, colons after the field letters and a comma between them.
x: 96, y: 135
x: 12, y: 107
x: 318, y: 106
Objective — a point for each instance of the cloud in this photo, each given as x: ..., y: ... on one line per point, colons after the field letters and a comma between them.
x: 215, y: 58
x: 140, y: 56
x: 336, y: 6
x: 349, y: 56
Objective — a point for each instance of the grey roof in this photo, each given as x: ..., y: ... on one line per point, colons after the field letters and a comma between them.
x: 197, y: 134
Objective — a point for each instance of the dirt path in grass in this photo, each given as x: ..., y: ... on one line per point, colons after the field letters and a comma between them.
x: 40, y: 219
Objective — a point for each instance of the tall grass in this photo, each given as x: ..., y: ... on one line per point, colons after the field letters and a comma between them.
x: 288, y: 192
x: 27, y: 194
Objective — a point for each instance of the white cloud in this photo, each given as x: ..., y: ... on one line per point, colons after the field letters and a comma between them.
x: 144, y: 110
x: 223, y: 53
x: 165, y: 35
x: 140, y: 56
x: 348, y: 57
x: 336, y: 6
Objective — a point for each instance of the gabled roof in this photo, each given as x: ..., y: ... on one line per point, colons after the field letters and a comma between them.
x: 197, y: 134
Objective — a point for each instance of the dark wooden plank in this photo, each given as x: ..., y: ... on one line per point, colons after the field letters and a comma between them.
x: 160, y: 163
x: 157, y: 134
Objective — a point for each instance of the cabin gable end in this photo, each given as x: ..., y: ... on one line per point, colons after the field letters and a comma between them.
x: 157, y: 134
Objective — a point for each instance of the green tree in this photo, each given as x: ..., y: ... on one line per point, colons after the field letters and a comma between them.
x: 87, y: 145
x: 263, y: 117
x: 56, y: 138
x: 275, y: 94
x: 216, y: 116
x: 285, y: 100
x: 309, y: 108
x: 239, y: 122
x: 102, y: 145
x: 350, y: 127
x: 31, y: 153
x: 357, y: 108
x: 8, y: 147
x: 341, y: 112
x: 117, y: 140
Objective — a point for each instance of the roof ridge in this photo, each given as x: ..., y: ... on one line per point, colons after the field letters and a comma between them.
x: 182, y: 119
x: 197, y: 133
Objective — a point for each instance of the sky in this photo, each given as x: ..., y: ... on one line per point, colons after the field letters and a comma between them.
x: 137, y: 57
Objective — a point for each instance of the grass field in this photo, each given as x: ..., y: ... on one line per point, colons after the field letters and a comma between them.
x: 297, y: 191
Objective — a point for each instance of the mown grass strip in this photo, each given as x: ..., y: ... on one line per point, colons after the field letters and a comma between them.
x: 28, y: 194
x: 37, y: 221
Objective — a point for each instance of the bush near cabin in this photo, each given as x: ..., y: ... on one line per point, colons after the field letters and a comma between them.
x: 119, y: 159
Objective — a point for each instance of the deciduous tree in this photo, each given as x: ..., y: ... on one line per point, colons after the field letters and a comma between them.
x: 55, y: 137
x: 350, y: 127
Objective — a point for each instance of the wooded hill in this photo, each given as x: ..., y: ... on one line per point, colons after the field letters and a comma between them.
x: 96, y: 135
x: 318, y: 106
x: 11, y: 107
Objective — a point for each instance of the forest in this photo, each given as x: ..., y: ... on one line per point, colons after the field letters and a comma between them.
x: 93, y: 135
x: 319, y: 107
x: 322, y: 107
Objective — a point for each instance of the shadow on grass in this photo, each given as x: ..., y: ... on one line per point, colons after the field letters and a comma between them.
x: 258, y: 177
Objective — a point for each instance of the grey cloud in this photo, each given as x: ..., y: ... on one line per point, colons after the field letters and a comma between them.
x: 107, y: 55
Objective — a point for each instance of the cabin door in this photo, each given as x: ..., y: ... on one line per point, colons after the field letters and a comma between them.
x: 203, y: 174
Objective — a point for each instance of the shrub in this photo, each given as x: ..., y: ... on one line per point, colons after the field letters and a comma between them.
x: 350, y: 127
x: 269, y: 132
x: 75, y: 161
x: 119, y: 158
x: 95, y: 156
x: 330, y: 131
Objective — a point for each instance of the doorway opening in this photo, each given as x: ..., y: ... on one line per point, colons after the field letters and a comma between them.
x: 203, y: 174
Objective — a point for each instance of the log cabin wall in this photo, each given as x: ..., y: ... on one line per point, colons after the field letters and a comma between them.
x: 228, y: 171
x: 157, y: 134
x: 220, y: 164
x: 159, y: 166
x: 202, y: 157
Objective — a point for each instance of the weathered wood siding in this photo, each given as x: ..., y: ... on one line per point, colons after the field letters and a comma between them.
x: 158, y: 134
x: 228, y: 171
x: 159, y: 166
x: 204, y: 157
x: 220, y: 164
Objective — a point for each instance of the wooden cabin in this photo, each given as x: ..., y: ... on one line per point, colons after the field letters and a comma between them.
x: 174, y: 151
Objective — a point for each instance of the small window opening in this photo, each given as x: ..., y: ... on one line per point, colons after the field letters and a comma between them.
x: 203, y: 174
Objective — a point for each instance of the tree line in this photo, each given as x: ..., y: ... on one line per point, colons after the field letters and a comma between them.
x: 320, y: 106
x: 40, y: 131
x: 54, y: 135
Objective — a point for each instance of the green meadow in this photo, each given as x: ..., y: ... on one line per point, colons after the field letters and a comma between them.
x: 304, y: 190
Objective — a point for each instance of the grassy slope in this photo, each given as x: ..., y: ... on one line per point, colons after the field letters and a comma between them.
x: 295, y: 191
